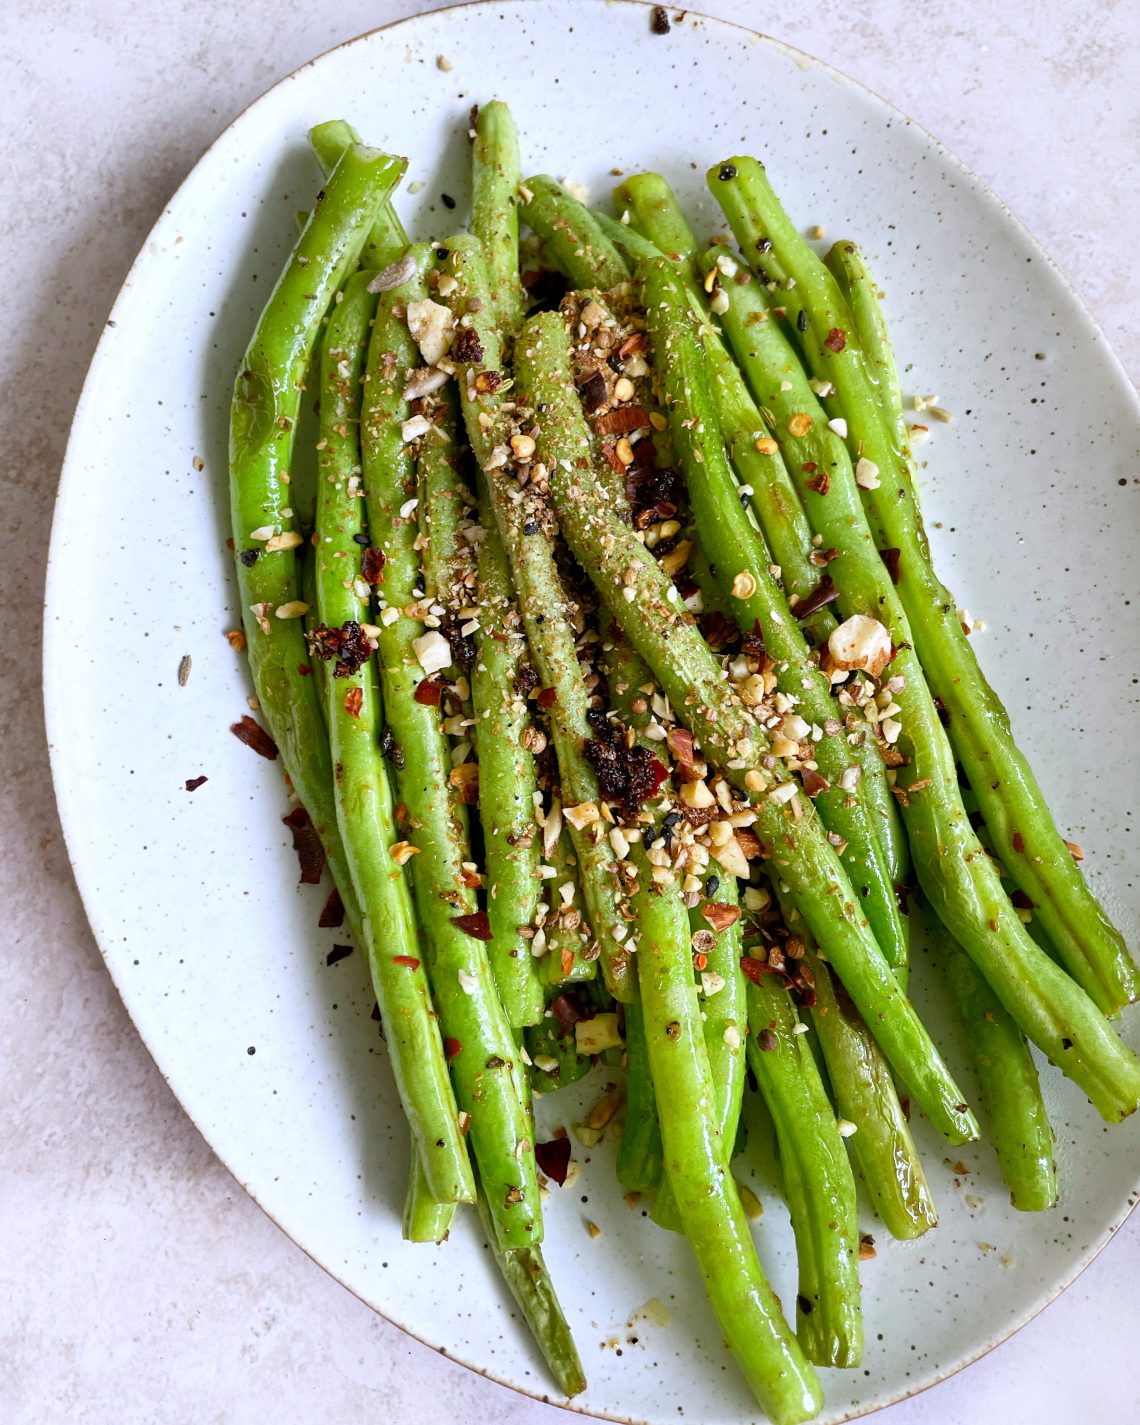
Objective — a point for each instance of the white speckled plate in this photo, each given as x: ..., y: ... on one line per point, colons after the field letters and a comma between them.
x: 193, y: 897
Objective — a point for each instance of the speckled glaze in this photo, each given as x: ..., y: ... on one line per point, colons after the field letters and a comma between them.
x: 1031, y: 499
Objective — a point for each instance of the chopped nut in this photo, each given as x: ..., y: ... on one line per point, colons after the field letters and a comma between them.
x: 403, y: 851
x: 292, y: 608
x: 673, y: 562
x: 860, y: 642
x: 592, y: 1036
x: 522, y: 446
x: 432, y: 650
x: 288, y: 539
x: 866, y: 473
x: 432, y: 327
x: 582, y: 815
x: 623, y: 389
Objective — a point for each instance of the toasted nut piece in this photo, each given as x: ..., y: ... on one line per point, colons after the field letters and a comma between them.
x: 673, y: 562
x: 860, y: 642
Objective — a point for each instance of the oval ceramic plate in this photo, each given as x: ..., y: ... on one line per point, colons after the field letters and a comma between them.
x: 193, y: 896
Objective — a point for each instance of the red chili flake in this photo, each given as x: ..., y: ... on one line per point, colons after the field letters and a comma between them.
x: 332, y: 916
x: 609, y: 450
x: 354, y: 701
x: 820, y: 483
x: 349, y: 645
x: 451, y: 1048
x: 836, y: 339
x: 303, y: 669
x: 700, y: 960
x: 307, y: 844
x: 629, y: 776
x: 890, y: 558
x: 636, y: 342
x: 488, y: 382
x: 193, y: 783
x: 372, y: 563
x: 566, y: 1012
x: 567, y: 961
x: 553, y: 1158
x: 337, y: 954
x: 719, y: 916
x: 1021, y: 901
x: 1018, y: 841
x: 547, y: 697
x: 476, y: 924
x: 409, y: 960
x: 254, y: 735
x: 814, y: 782
x: 904, y: 1104
x: 621, y: 420
x: 902, y: 895
x: 824, y: 593
x: 429, y: 691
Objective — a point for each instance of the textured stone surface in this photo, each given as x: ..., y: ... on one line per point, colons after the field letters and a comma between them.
x: 137, y: 1282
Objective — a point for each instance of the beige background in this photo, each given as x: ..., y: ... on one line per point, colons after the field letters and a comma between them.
x: 137, y: 1282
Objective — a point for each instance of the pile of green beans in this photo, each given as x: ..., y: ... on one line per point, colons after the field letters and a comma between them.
x: 612, y: 677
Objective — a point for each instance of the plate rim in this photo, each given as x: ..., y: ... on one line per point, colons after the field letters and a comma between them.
x: 53, y: 670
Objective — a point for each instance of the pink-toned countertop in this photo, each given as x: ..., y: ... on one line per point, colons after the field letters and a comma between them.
x: 137, y: 1281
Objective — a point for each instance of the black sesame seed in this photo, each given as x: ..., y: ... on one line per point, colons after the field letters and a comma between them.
x: 361, y: 538
x: 801, y: 321
x: 447, y: 200
x: 727, y: 171
x: 442, y: 253
x: 249, y: 557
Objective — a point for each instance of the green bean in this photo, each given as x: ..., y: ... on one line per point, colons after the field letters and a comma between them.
x: 363, y: 797
x: 696, y: 1164
x: 495, y: 179
x: 1009, y: 1091
x: 571, y: 235
x: 818, y: 1184
x: 691, y: 677
x: 865, y: 1094
x: 525, y: 1272
x: 482, y: 1049
x: 1025, y: 836
x: 639, y: 1161
x: 555, y: 1061
x: 266, y: 407
x: 956, y: 875
x: 386, y: 238
x: 508, y: 781
x: 654, y: 211
x: 425, y: 1220
x: 757, y: 599
x: 524, y: 525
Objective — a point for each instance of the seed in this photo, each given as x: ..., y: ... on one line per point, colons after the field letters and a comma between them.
x: 744, y: 585
x: 657, y: 420
x: 623, y: 389
x: 799, y: 423
x: 767, y: 446
x: 624, y: 451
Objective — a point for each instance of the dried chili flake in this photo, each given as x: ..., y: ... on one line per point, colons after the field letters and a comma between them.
x: 566, y: 1012
x: 349, y: 645
x: 628, y: 776
x: 372, y: 563
x: 836, y: 339
x: 354, y: 701
x: 307, y: 844
x: 429, y: 691
x: 409, y: 961
x: 193, y: 783
x: 255, y: 736
x: 719, y: 632
x: 755, y: 968
x: 337, y: 954
x: 451, y: 1048
x: 476, y: 924
x: 547, y: 697
x: 890, y: 558
x: 752, y: 644
x: 332, y: 915
x: 1021, y: 901
x: 488, y: 382
x: 820, y: 482
x: 593, y: 392
x: 823, y: 594
x: 1018, y: 841
x: 553, y: 1158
